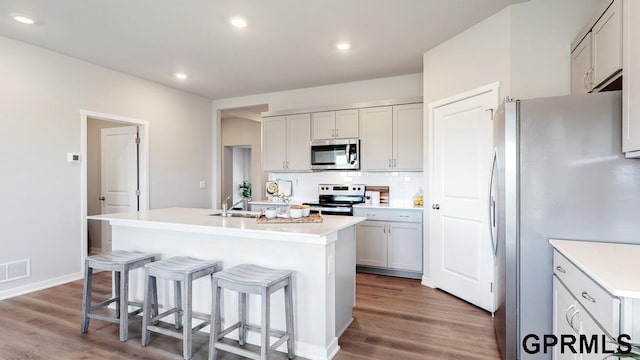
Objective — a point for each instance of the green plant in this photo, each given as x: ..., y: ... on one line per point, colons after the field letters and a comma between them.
x: 245, y: 189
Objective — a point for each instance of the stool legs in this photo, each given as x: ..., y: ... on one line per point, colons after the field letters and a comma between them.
x: 264, y: 328
x: 242, y: 315
x: 215, y: 321
x: 177, y: 292
x: 187, y: 332
x: 86, y: 298
x: 124, y: 304
x: 288, y: 305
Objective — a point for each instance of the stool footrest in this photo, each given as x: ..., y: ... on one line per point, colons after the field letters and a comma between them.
x: 280, y: 342
x: 103, y: 318
x: 200, y: 326
x: 163, y: 331
x: 164, y: 314
x: 272, y: 332
x: 224, y: 332
x: 201, y: 316
x: 102, y: 304
x: 237, y: 350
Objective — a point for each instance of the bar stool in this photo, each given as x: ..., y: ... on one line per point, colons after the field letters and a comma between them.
x: 251, y: 279
x: 121, y: 262
x: 181, y: 270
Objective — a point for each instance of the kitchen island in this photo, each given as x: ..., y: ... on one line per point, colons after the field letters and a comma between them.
x: 321, y: 256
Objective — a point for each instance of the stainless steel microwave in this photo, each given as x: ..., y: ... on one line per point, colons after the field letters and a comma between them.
x: 335, y: 154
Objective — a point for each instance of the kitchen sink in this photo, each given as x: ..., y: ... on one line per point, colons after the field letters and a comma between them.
x: 244, y: 214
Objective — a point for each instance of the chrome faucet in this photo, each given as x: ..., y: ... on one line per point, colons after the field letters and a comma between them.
x: 225, y: 206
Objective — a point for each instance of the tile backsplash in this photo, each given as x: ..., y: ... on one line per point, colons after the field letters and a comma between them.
x: 402, y: 185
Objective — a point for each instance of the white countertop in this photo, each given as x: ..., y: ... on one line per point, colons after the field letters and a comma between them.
x: 392, y: 205
x: 613, y: 266
x: 200, y: 220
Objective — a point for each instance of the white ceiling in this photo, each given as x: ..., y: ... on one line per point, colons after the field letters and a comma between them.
x: 288, y: 44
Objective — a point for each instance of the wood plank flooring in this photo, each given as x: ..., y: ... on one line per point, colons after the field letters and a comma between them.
x: 394, y: 319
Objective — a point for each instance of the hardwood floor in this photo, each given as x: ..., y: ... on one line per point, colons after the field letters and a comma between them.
x: 394, y: 319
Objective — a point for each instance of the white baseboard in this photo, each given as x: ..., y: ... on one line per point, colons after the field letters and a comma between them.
x: 25, y: 289
x: 428, y: 282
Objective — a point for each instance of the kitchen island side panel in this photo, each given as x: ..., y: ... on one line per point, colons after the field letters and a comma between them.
x: 318, y: 271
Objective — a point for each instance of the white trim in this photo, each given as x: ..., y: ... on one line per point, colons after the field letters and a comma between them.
x: 143, y: 163
x: 45, y: 284
x: 465, y: 95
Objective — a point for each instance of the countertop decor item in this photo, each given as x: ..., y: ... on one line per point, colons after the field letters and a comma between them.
x: 384, y: 193
x: 313, y: 218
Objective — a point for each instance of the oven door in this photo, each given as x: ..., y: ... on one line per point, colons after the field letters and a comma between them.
x: 338, y: 154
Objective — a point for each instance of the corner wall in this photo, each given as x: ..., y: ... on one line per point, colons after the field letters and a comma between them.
x: 42, y: 94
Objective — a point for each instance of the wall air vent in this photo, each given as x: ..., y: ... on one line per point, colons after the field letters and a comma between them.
x: 14, y: 270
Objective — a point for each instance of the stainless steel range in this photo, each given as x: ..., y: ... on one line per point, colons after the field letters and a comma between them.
x: 338, y: 199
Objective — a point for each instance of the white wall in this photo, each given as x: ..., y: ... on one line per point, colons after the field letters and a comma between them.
x: 42, y: 93
x: 396, y: 87
x: 526, y: 47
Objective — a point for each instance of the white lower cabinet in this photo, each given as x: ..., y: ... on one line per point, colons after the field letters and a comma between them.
x: 390, y: 240
x: 564, y: 313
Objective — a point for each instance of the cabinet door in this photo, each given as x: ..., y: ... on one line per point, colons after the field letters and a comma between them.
x: 564, y: 310
x: 371, y: 243
x: 581, y: 66
x: 347, y: 124
x: 407, y: 137
x: 631, y: 83
x: 376, y: 126
x: 323, y: 125
x: 590, y: 329
x: 274, y: 140
x: 404, y: 246
x: 607, y: 44
x: 298, y: 142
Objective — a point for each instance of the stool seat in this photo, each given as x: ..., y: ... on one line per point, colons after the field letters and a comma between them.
x: 252, y: 275
x: 120, y: 262
x: 118, y: 257
x: 183, y: 271
x: 251, y: 279
x: 179, y: 265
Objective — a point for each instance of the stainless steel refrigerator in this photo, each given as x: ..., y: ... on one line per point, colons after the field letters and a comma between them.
x: 558, y: 172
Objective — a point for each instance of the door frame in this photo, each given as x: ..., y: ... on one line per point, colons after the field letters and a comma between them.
x: 431, y: 280
x: 143, y: 167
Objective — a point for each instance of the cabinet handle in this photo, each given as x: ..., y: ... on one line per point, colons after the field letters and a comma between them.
x: 384, y: 229
x: 584, y: 80
x: 395, y: 162
x: 333, y: 133
x: 404, y: 216
x: 336, y: 132
x: 389, y: 162
x: 590, y: 76
x: 567, y: 316
x: 560, y: 269
x: 576, y: 312
x: 588, y: 297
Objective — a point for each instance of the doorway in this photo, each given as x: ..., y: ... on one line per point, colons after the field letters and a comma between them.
x: 241, y: 148
x: 109, y: 144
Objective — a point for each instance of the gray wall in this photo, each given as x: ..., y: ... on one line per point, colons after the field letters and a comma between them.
x: 42, y: 94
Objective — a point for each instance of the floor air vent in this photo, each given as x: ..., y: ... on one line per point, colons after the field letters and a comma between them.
x: 14, y: 270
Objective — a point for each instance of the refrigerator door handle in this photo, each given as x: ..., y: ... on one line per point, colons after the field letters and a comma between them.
x: 492, y: 208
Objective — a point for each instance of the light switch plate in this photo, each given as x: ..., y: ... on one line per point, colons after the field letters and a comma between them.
x: 203, y: 184
x: 73, y: 157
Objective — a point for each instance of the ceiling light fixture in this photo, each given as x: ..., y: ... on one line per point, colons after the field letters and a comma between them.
x: 181, y: 75
x: 344, y: 46
x: 238, y: 22
x: 23, y: 19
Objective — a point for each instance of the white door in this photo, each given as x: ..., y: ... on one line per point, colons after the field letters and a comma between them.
x: 461, y: 150
x: 274, y: 143
x: 298, y: 142
x: 119, y: 174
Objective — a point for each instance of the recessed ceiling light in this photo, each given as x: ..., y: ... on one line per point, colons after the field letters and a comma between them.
x: 181, y: 75
x: 238, y: 22
x: 23, y: 19
x: 343, y: 45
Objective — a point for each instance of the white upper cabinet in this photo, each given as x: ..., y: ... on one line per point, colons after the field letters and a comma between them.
x: 376, y: 148
x: 339, y: 124
x: 596, y: 56
x: 607, y: 44
x: 286, y: 143
x: 391, y: 138
x: 631, y: 83
x: 581, y: 67
x: 407, y: 137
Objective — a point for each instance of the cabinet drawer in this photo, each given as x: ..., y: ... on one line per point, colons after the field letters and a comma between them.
x: 389, y: 214
x: 602, y: 306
